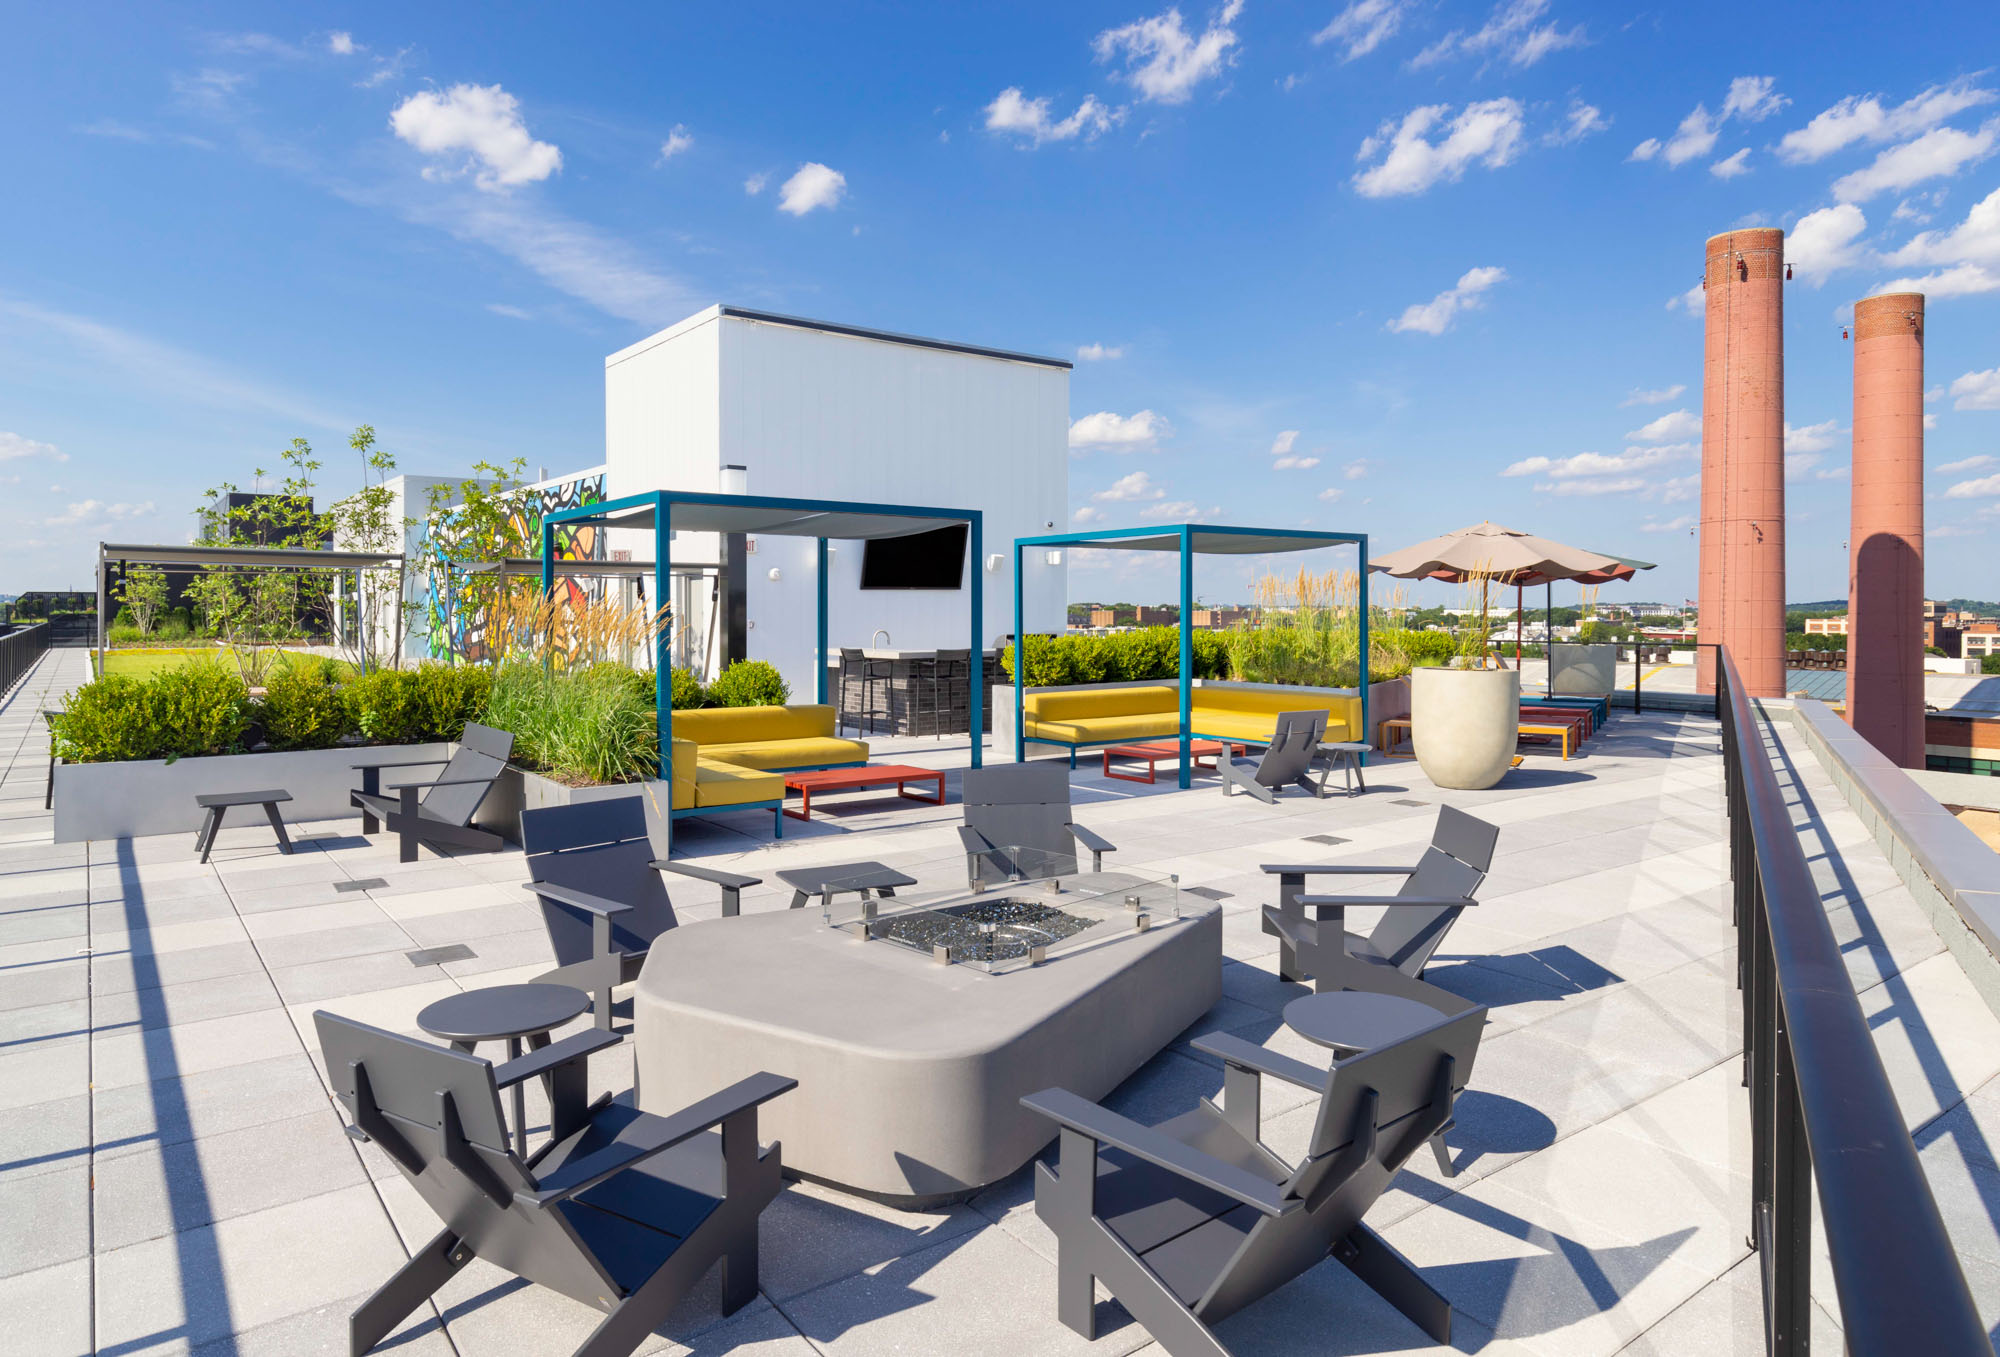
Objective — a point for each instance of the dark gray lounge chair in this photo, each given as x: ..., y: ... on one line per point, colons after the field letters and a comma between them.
x: 1189, y: 1221
x: 1312, y: 930
x: 443, y: 814
x: 622, y: 1210
x: 1288, y: 760
x: 592, y: 867
x: 1022, y: 805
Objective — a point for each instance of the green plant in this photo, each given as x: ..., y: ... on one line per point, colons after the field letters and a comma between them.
x: 1148, y: 654
x: 591, y: 725
x: 303, y: 707
x: 107, y: 721
x: 445, y: 697
x: 1989, y: 664
x: 382, y: 706
x: 687, y: 691
x: 191, y: 709
x: 749, y: 683
x: 143, y: 591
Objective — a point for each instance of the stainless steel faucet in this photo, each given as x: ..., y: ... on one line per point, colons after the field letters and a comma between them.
x: 882, y: 632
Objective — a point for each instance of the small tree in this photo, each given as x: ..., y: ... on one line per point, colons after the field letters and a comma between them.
x: 482, y: 518
x: 367, y: 521
x: 144, y: 592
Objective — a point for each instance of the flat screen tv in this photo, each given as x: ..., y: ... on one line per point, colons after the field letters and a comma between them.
x: 923, y: 560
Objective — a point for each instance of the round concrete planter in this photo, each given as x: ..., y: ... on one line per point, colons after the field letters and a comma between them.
x: 1582, y: 670
x: 1464, y: 724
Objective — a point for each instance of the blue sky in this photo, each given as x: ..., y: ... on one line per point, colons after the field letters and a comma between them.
x: 1343, y: 265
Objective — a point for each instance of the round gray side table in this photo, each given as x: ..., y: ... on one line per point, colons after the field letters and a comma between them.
x: 1351, y: 1021
x: 505, y: 1013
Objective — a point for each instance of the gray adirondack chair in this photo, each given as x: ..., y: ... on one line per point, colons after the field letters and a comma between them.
x: 1024, y: 806
x: 443, y: 813
x: 1312, y: 933
x: 622, y: 1210
x: 1189, y: 1221
x: 1287, y: 761
x: 592, y: 867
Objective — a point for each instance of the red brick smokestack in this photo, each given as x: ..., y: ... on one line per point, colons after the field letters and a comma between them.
x: 1885, y: 577
x: 1743, y: 459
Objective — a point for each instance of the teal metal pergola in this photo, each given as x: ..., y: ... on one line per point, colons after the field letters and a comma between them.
x: 1189, y: 540
x: 665, y: 512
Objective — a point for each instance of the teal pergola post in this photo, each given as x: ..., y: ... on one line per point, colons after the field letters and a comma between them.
x: 975, y: 665
x: 1020, y: 666
x: 819, y: 655
x: 1362, y: 734
x: 663, y: 678
x: 548, y: 583
x: 1187, y: 656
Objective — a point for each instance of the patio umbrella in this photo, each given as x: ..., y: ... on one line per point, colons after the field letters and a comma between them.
x: 1490, y: 552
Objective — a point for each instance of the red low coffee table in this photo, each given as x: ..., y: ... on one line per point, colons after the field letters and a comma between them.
x: 1156, y: 752
x: 854, y: 779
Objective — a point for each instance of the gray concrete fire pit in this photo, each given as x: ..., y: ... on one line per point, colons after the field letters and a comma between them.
x: 915, y: 1024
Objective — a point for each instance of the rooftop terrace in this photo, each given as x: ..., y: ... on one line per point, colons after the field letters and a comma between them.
x: 173, y: 1176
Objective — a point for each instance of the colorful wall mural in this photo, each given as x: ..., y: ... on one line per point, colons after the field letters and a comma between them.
x: 457, y: 624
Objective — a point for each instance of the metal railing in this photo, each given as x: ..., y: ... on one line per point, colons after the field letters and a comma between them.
x: 1822, y: 1115
x: 18, y: 652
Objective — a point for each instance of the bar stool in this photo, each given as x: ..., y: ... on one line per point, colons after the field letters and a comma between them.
x: 942, y: 671
x: 855, y: 665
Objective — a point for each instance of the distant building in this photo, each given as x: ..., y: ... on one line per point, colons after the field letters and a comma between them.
x: 1164, y: 616
x: 1219, y: 619
x: 1977, y: 640
x: 1826, y: 626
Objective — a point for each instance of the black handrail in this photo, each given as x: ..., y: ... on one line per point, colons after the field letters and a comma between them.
x: 18, y: 652
x: 1821, y: 1110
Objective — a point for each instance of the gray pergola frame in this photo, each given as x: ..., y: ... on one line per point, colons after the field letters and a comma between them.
x: 1188, y: 540
x: 666, y: 512
x: 212, y: 557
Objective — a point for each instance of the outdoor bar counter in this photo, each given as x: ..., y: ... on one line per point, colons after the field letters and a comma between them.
x: 908, y: 694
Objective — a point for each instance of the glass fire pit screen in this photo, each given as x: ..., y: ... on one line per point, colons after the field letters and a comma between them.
x: 1000, y: 910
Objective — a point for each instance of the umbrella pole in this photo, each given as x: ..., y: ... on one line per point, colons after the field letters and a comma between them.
x: 1517, y: 627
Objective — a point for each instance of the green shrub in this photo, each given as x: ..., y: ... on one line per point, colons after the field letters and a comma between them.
x: 749, y: 683
x: 1143, y: 656
x: 382, y: 706
x: 1428, y: 647
x: 1989, y: 664
x: 592, y: 725
x: 687, y: 694
x: 108, y: 721
x: 445, y: 697
x: 303, y: 707
x: 201, y: 707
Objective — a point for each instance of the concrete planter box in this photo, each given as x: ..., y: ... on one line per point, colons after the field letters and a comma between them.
x: 1386, y: 700
x: 1582, y: 671
x: 152, y: 796
x: 1464, y: 724
x: 522, y: 789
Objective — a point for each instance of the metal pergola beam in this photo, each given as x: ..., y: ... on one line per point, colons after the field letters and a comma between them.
x: 657, y: 509
x: 1186, y: 539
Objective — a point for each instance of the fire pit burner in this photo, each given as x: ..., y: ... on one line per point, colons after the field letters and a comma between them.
x: 984, y: 931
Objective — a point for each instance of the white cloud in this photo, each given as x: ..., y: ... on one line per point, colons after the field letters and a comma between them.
x: 1695, y: 137
x: 1510, y: 31
x: 1178, y: 511
x: 1137, y: 486
x: 1581, y: 120
x: 1812, y: 437
x: 1486, y: 133
x: 678, y: 140
x: 1826, y: 241
x: 1119, y: 433
x: 14, y: 447
x: 1797, y: 464
x: 1646, y: 149
x: 1592, y: 487
x: 1163, y: 61
x: 1099, y: 353
x: 1952, y: 529
x: 1978, y: 463
x: 1590, y: 464
x: 483, y: 124
x: 1434, y: 317
x: 1294, y: 463
x: 1014, y: 113
x: 811, y: 185
x: 511, y: 312
x: 1284, y: 459
x: 1331, y: 494
x: 1965, y: 280
x: 96, y: 511
x: 255, y: 45
x: 1856, y: 118
x: 1363, y: 26
x: 1974, y: 242
x: 1731, y: 166
x: 1939, y: 153
x: 343, y: 44
x: 1681, y: 524
x: 1356, y: 469
x: 1753, y: 98
x: 1088, y: 515
x: 1671, y: 427
x: 1641, y: 396
x: 1694, y: 301
x: 1976, y: 391
x: 1979, y: 489
x: 1930, y: 421
x: 1679, y: 490
x: 754, y: 185
x: 1284, y: 442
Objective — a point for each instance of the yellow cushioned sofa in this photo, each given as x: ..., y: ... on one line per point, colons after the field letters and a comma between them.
x: 1125, y: 714
x: 735, y: 758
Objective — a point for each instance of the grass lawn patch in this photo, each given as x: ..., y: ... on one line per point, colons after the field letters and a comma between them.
x: 144, y: 663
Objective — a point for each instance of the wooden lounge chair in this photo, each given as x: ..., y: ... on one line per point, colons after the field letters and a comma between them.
x: 1189, y: 1221
x: 1287, y: 761
x: 623, y: 1210
x: 1313, y: 940
x: 593, y: 869
x: 443, y: 813
x: 1026, y: 806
